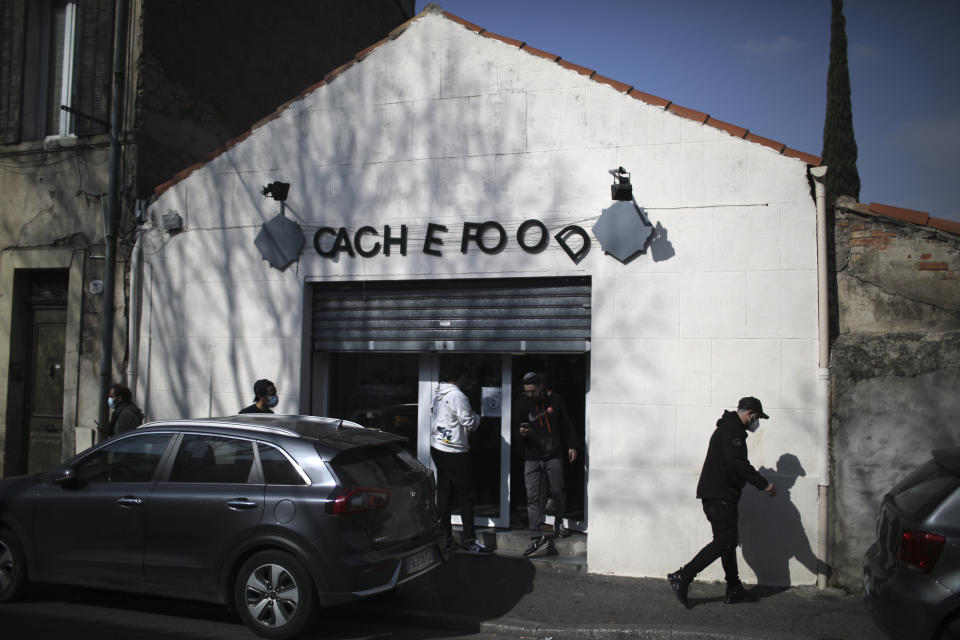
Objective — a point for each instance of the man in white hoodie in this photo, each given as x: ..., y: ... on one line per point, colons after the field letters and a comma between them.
x: 453, y: 420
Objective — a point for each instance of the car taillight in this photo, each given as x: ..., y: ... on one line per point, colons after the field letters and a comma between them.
x: 920, y: 550
x: 357, y: 500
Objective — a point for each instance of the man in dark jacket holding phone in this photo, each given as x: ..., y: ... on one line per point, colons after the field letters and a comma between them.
x: 548, y: 438
x: 726, y: 470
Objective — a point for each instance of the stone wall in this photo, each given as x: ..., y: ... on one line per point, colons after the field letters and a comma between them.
x: 895, y: 368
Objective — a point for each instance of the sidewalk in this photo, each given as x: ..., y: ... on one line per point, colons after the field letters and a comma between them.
x: 506, y: 594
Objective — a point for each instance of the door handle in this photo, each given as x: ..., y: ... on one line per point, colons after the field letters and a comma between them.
x: 129, y: 501
x: 241, y: 504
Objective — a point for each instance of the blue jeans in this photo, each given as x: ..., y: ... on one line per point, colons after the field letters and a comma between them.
x: 724, y: 520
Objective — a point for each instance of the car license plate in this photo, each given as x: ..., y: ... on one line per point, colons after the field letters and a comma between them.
x: 419, y: 561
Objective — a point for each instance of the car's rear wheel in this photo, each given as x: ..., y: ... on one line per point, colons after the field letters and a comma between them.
x: 13, y: 566
x: 274, y: 595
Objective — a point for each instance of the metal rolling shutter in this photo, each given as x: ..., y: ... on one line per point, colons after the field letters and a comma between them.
x: 500, y: 315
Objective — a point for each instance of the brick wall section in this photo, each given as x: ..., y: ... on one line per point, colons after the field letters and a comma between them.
x: 863, y: 234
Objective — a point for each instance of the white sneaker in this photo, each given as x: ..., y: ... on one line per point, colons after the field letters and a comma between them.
x: 475, y: 548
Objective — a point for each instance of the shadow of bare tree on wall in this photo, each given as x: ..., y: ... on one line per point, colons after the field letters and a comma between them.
x: 772, y: 532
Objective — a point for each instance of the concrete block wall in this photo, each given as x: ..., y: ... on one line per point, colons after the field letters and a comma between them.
x: 445, y: 125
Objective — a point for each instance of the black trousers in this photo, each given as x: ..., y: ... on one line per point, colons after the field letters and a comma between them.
x: 724, y: 520
x: 455, y: 478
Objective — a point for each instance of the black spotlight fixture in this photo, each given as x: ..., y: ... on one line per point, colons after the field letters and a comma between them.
x: 621, y: 189
x: 277, y: 190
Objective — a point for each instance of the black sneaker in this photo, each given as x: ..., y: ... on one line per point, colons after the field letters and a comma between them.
x: 538, y: 546
x: 735, y: 593
x: 679, y: 586
x: 560, y: 529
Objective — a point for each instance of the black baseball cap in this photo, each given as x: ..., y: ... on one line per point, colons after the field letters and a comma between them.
x: 532, y: 378
x: 752, y: 404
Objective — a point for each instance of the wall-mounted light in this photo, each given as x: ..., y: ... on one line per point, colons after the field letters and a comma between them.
x: 621, y: 189
x: 277, y: 190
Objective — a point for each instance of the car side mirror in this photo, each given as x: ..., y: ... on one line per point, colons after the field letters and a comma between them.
x: 63, y: 476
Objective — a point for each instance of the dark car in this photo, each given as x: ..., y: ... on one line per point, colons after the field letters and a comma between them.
x: 911, y: 574
x: 271, y: 514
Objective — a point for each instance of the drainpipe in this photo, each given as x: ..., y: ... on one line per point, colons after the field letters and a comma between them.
x: 823, y: 374
x: 133, y: 321
x: 110, y: 224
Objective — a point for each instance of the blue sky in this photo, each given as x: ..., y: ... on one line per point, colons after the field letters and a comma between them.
x: 762, y: 65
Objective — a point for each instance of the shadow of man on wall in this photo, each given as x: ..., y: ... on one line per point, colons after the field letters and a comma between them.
x: 771, y: 529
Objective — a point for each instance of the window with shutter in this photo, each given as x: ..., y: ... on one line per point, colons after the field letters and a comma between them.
x: 51, y: 40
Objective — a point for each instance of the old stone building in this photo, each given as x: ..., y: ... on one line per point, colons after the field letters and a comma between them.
x: 895, y: 365
x: 194, y: 74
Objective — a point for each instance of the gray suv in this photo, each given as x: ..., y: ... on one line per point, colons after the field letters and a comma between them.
x: 911, y: 574
x: 269, y: 514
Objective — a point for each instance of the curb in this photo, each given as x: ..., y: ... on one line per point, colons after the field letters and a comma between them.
x: 519, y: 628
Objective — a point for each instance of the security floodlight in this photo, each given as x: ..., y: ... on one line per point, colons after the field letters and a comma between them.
x: 621, y: 189
x: 277, y: 190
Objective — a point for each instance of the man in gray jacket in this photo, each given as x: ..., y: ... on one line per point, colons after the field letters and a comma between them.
x: 453, y: 420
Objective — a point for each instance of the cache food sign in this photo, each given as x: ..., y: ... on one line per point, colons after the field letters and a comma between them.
x: 489, y: 237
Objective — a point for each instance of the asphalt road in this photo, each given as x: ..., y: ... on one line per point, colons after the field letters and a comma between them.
x: 50, y: 613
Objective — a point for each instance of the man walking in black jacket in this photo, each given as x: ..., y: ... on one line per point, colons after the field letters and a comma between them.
x: 726, y: 470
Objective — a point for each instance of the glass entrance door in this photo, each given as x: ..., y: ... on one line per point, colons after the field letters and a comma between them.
x: 394, y: 392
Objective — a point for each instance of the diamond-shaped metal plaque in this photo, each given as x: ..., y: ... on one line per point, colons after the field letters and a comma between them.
x: 622, y: 230
x: 280, y: 241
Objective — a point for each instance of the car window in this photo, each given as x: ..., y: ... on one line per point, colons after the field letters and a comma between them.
x: 130, y: 459
x: 202, y: 458
x: 924, y: 488
x: 276, y: 468
x: 376, y: 466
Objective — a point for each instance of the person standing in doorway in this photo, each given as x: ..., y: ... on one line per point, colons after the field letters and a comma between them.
x: 453, y: 421
x: 125, y: 415
x: 548, y: 438
x: 726, y: 470
x: 264, y: 397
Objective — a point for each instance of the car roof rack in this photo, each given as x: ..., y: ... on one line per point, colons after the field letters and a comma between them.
x: 244, y: 426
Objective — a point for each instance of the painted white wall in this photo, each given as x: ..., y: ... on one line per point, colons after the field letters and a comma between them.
x: 443, y: 125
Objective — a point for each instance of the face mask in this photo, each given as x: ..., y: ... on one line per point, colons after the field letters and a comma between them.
x: 272, y: 401
x: 111, y: 403
x: 754, y: 424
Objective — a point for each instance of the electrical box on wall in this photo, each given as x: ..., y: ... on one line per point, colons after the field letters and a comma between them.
x: 171, y: 221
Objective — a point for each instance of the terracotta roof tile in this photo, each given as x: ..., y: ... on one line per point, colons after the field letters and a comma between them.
x: 950, y: 226
x: 339, y: 70
x: 497, y: 36
x: 767, y: 142
x: 812, y: 160
x: 459, y: 20
x: 619, y: 86
x: 732, y: 129
x: 650, y: 98
x: 908, y: 215
x: 363, y: 54
x: 552, y: 57
x: 575, y: 67
x: 689, y: 114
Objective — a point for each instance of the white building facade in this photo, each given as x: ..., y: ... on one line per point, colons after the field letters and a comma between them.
x: 430, y: 180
